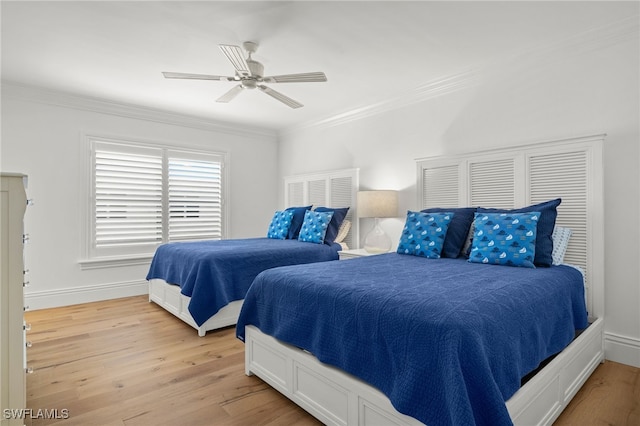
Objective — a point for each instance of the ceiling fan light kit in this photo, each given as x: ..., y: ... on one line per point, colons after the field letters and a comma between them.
x: 250, y: 75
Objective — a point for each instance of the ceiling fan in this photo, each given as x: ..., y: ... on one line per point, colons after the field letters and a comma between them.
x: 249, y: 73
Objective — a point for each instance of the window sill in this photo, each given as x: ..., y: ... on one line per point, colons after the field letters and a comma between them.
x: 114, y: 262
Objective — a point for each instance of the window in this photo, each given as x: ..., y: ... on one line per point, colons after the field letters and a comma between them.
x: 144, y: 195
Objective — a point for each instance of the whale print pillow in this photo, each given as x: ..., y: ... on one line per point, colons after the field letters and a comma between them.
x: 279, y: 227
x: 314, y: 227
x: 505, y: 238
x: 423, y: 234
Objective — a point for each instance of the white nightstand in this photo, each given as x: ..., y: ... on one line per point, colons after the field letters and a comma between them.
x: 352, y: 254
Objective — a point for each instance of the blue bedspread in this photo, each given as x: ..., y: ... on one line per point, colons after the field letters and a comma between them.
x: 215, y: 273
x: 446, y: 340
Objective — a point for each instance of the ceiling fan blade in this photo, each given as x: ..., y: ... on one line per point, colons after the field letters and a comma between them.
x: 279, y: 96
x: 196, y: 76
x: 236, y: 57
x: 230, y: 94
x: 307, y: 77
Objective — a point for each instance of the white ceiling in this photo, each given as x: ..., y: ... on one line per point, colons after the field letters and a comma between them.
x: 371, y: 51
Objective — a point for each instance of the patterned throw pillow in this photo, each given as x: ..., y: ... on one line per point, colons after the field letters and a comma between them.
x: 279, y: 227
x: 337, y: 219
x: 314, y: 226
x: 560, y: 238
x: 458, y: 230
x: 423, y: 234
x: 505, y: 238
x: 546, y: 222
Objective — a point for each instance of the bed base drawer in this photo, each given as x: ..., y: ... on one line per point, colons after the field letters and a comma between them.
x: 169, y: 297
x: 543, y: 398
x: 327, y: 393
x: 337, y: 398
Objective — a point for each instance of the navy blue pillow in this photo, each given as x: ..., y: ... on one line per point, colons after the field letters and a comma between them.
x: 458, y: 229
x: 296, y: 221
x: 546, y: 223
x: 336, y: 221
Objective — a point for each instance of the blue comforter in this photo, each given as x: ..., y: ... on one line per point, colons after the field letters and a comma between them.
x: 446, y: 340
x: 215, y: 273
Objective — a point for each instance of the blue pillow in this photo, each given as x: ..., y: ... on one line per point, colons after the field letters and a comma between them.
x: 280, y: 224
x: 423, y: 234
x: 505, y: 238
x: 296, y: 222
x: 336, y: 221
x: 458, y: 229
x: 546, y: 223
x: 314, y: 227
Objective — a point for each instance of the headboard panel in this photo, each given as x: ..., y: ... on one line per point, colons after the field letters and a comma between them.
x: 519, y: 176
x: 335, y: 188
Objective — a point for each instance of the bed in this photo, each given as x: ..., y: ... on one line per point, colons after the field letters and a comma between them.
x: 203, y: 282
x: 509, y: 345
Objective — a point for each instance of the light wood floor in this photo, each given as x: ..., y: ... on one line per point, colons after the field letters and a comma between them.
x: 129, y: 362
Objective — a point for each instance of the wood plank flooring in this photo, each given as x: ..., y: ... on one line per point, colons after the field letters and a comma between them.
x: 129, y: 362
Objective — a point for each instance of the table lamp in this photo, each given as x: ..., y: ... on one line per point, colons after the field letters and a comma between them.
x: 377, y: 204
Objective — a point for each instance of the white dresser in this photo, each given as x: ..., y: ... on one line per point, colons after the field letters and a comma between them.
x: 13, y: 365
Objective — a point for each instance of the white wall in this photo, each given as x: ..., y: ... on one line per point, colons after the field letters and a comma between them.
x: 42, y: 136
x: 580, y: 88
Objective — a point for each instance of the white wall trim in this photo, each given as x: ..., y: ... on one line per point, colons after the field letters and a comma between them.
x: 103, y: 106
x: 85, y: 294
x: 622, y: 349
x: 114, y: 262
x: 431, y: 89
x: 578, y: 44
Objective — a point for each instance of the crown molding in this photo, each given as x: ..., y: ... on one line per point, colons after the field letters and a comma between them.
x: 434, y: 88
x: 579, y: 44
x: 103, y: 106
x: 575, y: 45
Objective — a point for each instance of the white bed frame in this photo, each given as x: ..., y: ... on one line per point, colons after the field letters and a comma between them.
x: 340, y: 189
x: 168, y: 296
x: 337, y: 398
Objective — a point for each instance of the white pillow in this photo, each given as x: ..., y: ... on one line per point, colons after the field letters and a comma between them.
x: 560, y: 239
x: 343, y: 231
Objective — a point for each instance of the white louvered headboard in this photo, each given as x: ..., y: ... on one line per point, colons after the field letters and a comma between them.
x: 336, y: 188
x: 519, y: 176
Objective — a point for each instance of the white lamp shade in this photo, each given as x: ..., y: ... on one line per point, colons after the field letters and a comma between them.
x: 383, y: 203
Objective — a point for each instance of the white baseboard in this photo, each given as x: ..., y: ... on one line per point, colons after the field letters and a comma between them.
x: 85, y: 294
x: 622, y: 349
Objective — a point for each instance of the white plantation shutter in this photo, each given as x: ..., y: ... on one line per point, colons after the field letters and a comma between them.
x: 492, y: 183
x: 195, y: 197
x: 128, y: 195
x: 440, y: 187
x: 144, y: 196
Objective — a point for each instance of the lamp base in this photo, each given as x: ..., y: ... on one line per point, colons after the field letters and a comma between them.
x: 377, y: 241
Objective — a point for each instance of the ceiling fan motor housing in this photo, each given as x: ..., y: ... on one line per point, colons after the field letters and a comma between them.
x: 256, y: 68
x: 251, y: 82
